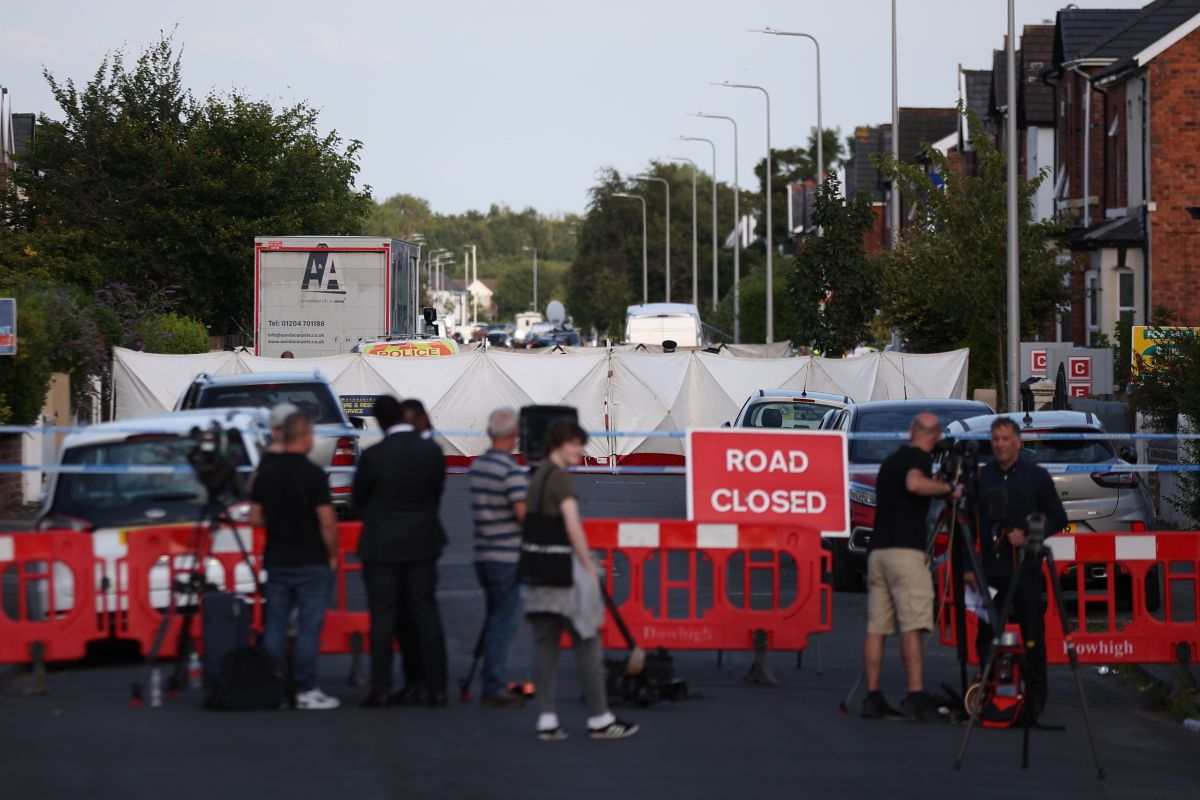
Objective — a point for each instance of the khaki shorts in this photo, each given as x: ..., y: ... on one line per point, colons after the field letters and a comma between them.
x: 899, y: 591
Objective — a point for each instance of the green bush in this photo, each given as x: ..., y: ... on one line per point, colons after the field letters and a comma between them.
x: 172, y: 333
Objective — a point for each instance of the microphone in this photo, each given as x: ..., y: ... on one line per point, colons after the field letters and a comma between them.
x: 997, y: 498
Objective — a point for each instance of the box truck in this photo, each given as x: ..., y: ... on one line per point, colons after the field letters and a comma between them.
x: 322, y: 295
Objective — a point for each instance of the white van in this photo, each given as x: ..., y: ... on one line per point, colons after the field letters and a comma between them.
x: 654, y: 323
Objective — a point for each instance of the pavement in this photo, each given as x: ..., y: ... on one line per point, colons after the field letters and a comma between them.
x: 732, y: 739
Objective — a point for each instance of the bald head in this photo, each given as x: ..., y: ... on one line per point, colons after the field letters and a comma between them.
x: 925, y: 431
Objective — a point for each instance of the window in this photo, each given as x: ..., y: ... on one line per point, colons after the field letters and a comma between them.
x: 1092, y: 296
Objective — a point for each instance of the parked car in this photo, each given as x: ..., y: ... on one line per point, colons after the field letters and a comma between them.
x: 865, y: 456
x: 109, y: 505
x: 1100, y: 500
x: 336, y: 439
x: 554, y: 338
x: 788, y: 409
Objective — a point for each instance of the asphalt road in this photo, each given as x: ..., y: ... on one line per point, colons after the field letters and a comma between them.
x: 734, y: 739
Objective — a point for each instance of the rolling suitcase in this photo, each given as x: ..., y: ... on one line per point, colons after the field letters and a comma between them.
x: 226, y: 625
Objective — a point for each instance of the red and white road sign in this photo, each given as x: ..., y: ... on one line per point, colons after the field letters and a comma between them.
x: 1079, y: 368
x: 1037, y: 363
x: 1080, y: 389
x: 769, y: 476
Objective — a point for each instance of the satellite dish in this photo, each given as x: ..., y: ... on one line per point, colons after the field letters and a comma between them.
x: 555, y: 313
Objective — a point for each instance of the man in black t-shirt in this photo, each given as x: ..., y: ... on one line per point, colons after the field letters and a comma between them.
x: 899, y: 586
x: 291, y: 500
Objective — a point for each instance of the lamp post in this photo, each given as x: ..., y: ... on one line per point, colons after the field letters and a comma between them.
x: 820, y: 129
x: 737, y: 230
x: 667, y: 252
x: 534, y: 249
x: 695, y: 272
x: 770, y: 233
x: 1014, y: 253
x: 645, y: 271
x: 713, y: 145
x: 894, y: 204
x: 474, y: 276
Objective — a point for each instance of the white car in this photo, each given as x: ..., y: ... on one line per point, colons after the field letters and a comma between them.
x: 109, y: 505
x: 788, y: 409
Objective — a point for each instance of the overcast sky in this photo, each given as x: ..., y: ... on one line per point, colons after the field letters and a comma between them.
x: 469, y: 103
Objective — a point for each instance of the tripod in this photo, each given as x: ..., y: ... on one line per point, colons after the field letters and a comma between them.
x: 1032, y: 553
x: 212, y: 518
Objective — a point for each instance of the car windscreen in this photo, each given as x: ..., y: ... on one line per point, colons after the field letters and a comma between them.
x: 315, y: 399
x: 895, y: 421
x: 1058, y: 451
x: 122, y: 499
x: 785, y: 414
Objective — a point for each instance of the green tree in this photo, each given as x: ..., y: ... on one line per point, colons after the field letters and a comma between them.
x: 945, y: 286
x: 833, y: 284
x: 793, y: 165
x: 754, y: 311
x: 152, y: 186
x: 172, y: 333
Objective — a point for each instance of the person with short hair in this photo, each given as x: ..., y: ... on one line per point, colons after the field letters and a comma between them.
x: 498, y: 487
x: 1027, y: 488
x: 290, y: 498
x: 899, y: 585
x: 398, y: 490
x: 578, y: 609
x: 279, y: 414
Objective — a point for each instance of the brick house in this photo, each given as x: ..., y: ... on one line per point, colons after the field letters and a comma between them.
x: 1127, y: 100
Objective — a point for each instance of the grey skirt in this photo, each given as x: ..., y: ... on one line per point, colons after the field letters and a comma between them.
x: 580, y: 603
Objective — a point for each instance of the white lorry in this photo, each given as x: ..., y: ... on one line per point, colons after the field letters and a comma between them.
x: 654, y: 323
x: 322, y: 295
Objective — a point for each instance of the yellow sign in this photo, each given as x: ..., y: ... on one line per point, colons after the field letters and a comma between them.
x: 1149, y: 340
x: 417, y: 348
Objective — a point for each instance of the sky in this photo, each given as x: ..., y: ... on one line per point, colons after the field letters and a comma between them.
x: 469, y: 103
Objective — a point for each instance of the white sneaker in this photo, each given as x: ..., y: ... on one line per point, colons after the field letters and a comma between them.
x: 316, y: 700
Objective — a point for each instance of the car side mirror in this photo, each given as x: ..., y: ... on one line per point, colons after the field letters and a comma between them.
x: 358, y: 422
x: 726, y: 425
x: 1127, y: 453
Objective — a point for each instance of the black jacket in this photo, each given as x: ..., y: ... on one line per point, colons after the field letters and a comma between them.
x: 1029, y: 488
x: 397, y: 491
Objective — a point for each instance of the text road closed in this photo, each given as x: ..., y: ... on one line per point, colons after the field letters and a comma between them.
x: 773, y: 477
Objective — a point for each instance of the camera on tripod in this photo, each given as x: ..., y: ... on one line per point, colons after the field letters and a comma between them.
x: 214, y: 459
x: 958, y: 457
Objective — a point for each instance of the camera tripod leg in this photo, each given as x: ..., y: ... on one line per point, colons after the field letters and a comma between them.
x: 1073, y: 657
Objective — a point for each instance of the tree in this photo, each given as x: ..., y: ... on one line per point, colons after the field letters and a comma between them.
x: 172, y: 333
x: 793, y: 165
x: 945, y: 286
x: 754, y: 311
x: 152, y: 186
x: 833, y: 284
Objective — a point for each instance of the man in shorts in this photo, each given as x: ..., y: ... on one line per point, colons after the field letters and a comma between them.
x: 899, y: 585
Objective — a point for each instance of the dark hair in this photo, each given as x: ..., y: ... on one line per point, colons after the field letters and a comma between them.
x: 412, y: 412
x: 387, y: 411
x: 561, y: 431
x: 1006, y: 422
x: 296, y: 427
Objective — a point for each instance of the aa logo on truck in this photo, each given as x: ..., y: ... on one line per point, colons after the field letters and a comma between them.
x: 320, y: 274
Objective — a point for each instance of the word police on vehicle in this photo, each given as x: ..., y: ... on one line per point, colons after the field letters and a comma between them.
x: 766, y: 476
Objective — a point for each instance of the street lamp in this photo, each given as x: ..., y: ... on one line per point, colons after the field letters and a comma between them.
x: 667, y: 253
x: 737, y: 230
x: 645, y: 271
x: 695, y: 273
x: 468, y: 281
x: 1014, y: 253
x: 770, y: 244
x: 534, y: 249
x: 713, y: 145
x: 820, y: 130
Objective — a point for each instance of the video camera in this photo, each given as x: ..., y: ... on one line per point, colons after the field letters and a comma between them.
x: 215, y: 462
x: 959, y: 457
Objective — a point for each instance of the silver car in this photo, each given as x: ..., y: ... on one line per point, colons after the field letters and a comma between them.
x: 1099, y: 499
x: 788, y: 409
x: 336, y: 439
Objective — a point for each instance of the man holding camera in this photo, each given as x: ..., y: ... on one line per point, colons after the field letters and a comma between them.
x: 899, y: 586
x: 1010, y: 489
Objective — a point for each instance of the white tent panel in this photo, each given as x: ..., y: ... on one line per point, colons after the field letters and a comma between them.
x: 849, y: 377
x: 643, y: 391
x: 925, y: 376
x: 151, y: 383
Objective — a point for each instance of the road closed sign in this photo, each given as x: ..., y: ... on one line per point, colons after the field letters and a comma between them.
x: 741, y: 475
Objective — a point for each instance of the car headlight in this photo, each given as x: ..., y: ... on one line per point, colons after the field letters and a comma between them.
x: 862, y: 494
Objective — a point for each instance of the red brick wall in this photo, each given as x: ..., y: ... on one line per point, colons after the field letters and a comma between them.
x: 1114, y: 177
x: 1174, y: 87
x: 1071, y: 134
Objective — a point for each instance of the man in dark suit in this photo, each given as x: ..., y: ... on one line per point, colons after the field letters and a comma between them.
x: 398, y: 488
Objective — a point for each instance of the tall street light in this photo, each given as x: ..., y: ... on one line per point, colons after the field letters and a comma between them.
x: 737, y: 230
x: 820, y: 129
x: 770, y: 233
x: 534, y: 249
x: 1014, y: 253
x: 645, y: 271
x: 894, y: 205
x: 667, y: 253
x: 695, y: 271
x: 713, y: 145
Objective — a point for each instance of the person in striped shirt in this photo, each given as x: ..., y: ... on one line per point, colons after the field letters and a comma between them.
x: 498, y: 486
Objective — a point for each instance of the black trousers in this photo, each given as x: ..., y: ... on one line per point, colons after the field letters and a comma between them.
x: 403, y: 605
x: 1029, y: 612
